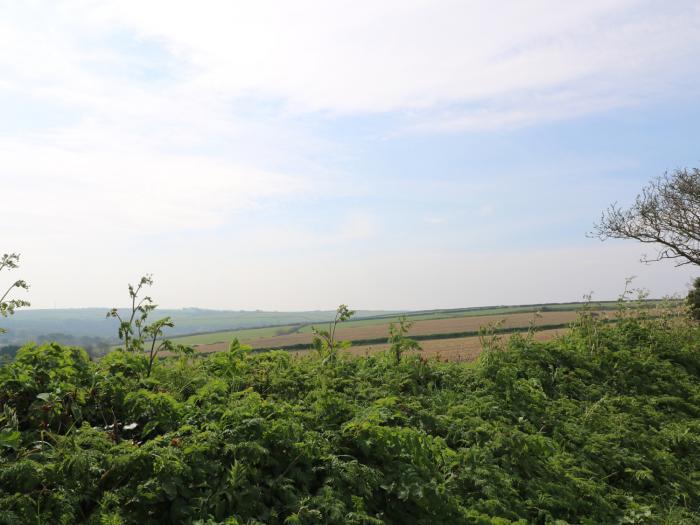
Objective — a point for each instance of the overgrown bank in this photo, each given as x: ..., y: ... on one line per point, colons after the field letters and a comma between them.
x: 599, y: 426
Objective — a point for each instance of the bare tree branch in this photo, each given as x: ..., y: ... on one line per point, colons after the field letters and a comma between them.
x: 665, y: 213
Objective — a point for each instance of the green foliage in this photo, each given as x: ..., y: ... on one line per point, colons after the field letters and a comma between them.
x: 398, y: 340
x: 693, y: 299
x: 138, y: 335
x: 324, y: 340
x: 10, y: 261
x: 599, y: 426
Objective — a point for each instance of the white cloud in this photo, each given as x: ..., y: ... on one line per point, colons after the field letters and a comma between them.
x: 349, y: 57
x: 128, y: 158
x: 517, y: 112
x: 485, y: 210
x: 357, y: 225
x: 83, y: 192
x: 327, y: 233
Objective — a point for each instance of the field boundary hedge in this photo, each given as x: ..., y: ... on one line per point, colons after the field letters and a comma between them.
x: 423, y: 337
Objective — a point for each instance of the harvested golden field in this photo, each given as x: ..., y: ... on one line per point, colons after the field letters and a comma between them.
x: 458, y: 349
x: 422, y: 328
x: 461, y: 324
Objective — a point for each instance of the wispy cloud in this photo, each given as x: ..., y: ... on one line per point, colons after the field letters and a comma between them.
x: 349, y: 57
x: 83, y: 191
x: 516, y: 113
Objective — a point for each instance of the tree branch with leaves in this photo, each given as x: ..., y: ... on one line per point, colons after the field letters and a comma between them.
x: 10, y: 261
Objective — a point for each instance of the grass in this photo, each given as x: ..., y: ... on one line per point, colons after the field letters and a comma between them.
x: 245, y: 334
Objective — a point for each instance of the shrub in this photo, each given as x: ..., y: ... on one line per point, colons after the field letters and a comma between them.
x: 598, y: 426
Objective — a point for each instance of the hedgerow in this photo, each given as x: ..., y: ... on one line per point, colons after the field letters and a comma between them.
x: 601, y: 425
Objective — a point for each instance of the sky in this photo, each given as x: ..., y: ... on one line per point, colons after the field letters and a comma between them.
x: 406, y: 154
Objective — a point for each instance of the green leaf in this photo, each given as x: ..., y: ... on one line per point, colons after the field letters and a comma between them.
x: 148, y: 428
x: 170, y: 489
x: 10, y: 438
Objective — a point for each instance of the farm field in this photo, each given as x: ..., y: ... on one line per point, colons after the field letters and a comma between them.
x: 470, y: 312
x: 246, y: 334
x: 460, y: 349
x: 423, y: 329
x: 254, y: 335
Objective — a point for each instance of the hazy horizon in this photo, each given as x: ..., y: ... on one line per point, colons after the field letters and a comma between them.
x: 392, y: 156
x: 357, y: 310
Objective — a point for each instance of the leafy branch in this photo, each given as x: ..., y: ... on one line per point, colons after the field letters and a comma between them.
x: 130, y: 328
x: 324, y: 340
x: 8, y: 306
x: 135, y: 330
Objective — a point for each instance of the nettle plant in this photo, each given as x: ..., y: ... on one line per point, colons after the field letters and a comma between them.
x: 10, y: 261
x: 137, y: 333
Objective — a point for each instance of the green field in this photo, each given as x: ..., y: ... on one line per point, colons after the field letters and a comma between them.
x: 228, y: 335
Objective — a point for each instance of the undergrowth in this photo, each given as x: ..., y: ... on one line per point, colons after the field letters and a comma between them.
x: 601, y: 425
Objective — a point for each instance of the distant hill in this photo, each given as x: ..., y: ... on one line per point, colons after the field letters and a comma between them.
x: 81, y: 323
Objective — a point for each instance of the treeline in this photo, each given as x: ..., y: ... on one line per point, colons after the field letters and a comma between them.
x: 94, y: 346
x: 601, y: 425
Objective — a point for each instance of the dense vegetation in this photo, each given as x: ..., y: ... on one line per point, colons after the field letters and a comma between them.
x: 599, y: 426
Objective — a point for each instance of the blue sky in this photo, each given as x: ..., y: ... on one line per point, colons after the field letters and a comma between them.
x: 298, y: 155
